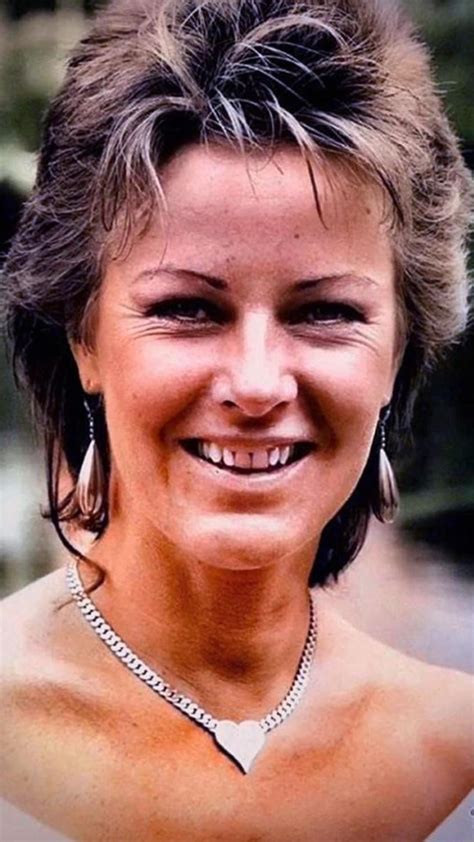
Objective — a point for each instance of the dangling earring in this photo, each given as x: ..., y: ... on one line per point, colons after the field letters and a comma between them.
x: 90, y: 482
x: 387, y: 502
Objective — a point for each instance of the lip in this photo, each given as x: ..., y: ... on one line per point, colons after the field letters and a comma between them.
x: 258, y: 481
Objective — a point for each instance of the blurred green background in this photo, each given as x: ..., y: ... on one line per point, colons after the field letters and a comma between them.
x: 436, y: 473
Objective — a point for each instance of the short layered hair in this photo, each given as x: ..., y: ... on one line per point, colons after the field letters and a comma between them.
x: 343, y: 80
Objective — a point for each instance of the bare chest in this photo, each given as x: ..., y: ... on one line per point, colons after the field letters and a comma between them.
x: 124, y: 781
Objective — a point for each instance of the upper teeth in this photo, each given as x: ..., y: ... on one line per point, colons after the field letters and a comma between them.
x: 260, y: 458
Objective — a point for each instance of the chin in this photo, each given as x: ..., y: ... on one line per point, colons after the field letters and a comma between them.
x: 244, y: 541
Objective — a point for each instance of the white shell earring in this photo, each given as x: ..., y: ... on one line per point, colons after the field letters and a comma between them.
x: 89, y: 490
x: 387, y: 503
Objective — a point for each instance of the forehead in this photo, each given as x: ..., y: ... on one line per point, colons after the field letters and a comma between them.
x: 226, y: 208
x: 200, y: 179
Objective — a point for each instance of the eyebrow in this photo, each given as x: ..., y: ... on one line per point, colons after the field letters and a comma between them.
x: 220, y: 284
x: 185, y: 274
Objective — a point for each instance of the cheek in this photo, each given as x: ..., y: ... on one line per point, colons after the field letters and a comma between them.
x: 149, y: 384
x: 348, y: 386
x: 347, y: 393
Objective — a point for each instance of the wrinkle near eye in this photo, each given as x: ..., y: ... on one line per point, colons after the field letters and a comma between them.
x: 371, y: 337
x: 137, y: 325
x: 339, y: 322
x: 342, y: 335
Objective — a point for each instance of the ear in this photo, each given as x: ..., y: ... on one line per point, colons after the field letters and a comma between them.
x: 87, y: 367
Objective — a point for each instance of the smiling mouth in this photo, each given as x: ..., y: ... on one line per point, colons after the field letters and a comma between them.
x: 278, y: 458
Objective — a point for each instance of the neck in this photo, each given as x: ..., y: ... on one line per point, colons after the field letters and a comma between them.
x: 230, y: 639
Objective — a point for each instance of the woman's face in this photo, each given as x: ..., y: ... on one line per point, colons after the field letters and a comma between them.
x: 260, y: 326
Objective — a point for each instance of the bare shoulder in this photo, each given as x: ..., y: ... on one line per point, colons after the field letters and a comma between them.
x: 40, y: 642
x: 433, y: 705
x: 441, y: 701
x: 36, y: 631
x: 51, y: 693
x: 29, y: 619
x: 447, y: 696
x: 44, y: 651
x: 442, y: 710
x: 47, y: 589
x: 417, y: 729
x: 52, y: 699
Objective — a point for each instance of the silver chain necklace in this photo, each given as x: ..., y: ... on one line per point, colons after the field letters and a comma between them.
x: 241, y: 741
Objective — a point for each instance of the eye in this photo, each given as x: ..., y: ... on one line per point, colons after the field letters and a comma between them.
x: 327, y: 312
x: 187, y: 310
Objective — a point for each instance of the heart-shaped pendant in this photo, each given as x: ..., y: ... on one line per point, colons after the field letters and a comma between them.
x: 241, y: 740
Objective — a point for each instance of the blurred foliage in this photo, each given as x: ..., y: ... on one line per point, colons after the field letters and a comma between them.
x: 448, y: 26
x: 33, y: 50
x: 35, y: 38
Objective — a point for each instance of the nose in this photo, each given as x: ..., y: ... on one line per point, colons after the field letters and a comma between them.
x: 255, y: 376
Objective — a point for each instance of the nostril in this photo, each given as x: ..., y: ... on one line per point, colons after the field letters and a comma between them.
x: 255, y: 395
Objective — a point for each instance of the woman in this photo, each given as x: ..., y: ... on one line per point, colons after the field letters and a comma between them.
x: 243, y: 251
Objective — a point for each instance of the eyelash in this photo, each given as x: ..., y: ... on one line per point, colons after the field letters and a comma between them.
x: 335, y: 312
x: 169, y: 309
x: 338, y: 311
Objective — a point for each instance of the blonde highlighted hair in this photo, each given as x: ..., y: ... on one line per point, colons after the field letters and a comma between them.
x: 347, y: 79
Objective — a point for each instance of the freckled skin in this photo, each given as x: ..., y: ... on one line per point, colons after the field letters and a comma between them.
x: 255, y: 225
